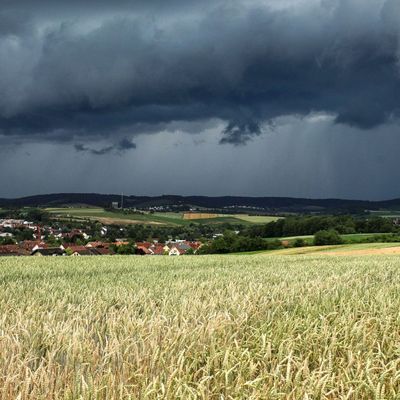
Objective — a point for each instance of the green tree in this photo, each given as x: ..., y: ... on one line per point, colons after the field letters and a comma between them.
x: 299, y: 242
x: 7, y: 240
x: 326, y: 237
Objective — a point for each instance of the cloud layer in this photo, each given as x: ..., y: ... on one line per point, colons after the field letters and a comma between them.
x: 91, y: 69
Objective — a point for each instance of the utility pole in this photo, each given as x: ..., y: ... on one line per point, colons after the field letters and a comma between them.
x: 122, y: 201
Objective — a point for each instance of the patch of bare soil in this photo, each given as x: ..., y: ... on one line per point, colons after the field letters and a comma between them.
x: 199, y: 216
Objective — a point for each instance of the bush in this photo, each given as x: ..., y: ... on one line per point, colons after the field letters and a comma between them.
x: 7, y: 240
x: 125, y: 249
x: 274, y: 244
x: 232, y: 243
x: 299, y: 242
x: 322, y: 238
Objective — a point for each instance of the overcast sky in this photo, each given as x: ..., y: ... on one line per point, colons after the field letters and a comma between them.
x: 216, y: 97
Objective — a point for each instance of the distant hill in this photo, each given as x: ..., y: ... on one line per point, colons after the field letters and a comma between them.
x: 267, y: 204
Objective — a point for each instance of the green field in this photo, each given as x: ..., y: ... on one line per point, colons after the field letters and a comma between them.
x: 256, y: 219
x: 154, y: 218
x: 210, y: 327
x: 348, y: 238
x: 119, y: 217
x: 386, y: 213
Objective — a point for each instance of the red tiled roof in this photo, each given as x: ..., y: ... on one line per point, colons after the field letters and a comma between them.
x: 143, y: 249
x: 158, y: 250
x: 98, y: 245
x: 30, y: 244
x: 193, y: 245
x: 102, y: 251
x: 121, y: 243
x: 74, y: 248
x: 144, y: 244
x: 11, y: 249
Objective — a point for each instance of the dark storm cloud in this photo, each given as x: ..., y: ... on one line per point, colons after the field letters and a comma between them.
x: 239, y: 133
x: 12, y: 23
x: 86, y: 69
x: 96, y: 152
x: 126, y: 144
x: 122, y: 146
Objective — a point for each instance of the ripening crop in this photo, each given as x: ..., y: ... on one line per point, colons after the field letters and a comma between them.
x: 200, y: 327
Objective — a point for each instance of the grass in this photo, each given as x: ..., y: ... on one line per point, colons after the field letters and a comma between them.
x: 119, y: 217
x: 386, y: 213
x: 238, y: 218
x: 173, y: 215
x: 212, y: 327
x: 348, y: 238
x: 256, y: 219
x: 228, y: 219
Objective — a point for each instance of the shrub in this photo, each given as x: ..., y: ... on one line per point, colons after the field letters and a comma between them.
x: 322, y: 238
x: 299, y: 242
x: 274, y: 244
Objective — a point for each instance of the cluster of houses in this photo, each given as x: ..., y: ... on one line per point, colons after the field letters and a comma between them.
x: 16, y: 224
x: 69, y: 243
x: 170, y: 248
x: 40, y: 248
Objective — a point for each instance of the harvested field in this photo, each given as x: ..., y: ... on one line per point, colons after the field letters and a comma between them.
x: 199, y: 216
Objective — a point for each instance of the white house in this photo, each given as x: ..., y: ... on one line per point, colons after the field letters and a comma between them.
x: 6, y: 234
x: 176, y: 251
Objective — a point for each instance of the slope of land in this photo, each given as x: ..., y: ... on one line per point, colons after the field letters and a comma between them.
x: 211, y: 327
x: 119, y: 217
x: 278, y: 204
x: 342, y: 249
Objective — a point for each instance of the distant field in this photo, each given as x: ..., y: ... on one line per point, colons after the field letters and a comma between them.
x: 256, y: 219
x: 108, y: 217
x: 253, y: 219
x: 205, y: 327
x: 195, y: 216
x: 347, y: 238
x: 386, y: 214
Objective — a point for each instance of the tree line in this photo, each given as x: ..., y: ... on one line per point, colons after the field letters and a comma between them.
x: 309, y: 225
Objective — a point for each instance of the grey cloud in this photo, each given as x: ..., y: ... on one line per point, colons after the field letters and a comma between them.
x: 96, y: 152
x: 126, y: 144
x: 241, y: 62
x: 239, y: 133
x: 12, y: 23
x: 122, y: 146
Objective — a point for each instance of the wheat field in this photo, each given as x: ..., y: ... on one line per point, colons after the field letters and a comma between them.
x: 205, y: 327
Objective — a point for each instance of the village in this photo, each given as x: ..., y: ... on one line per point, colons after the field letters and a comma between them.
x: 49, y: 241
